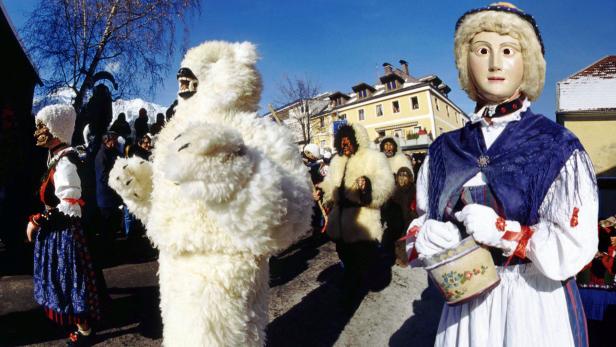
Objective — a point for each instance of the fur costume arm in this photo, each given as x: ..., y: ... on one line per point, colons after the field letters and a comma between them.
x: 131, y: 178
x: 208, y: 162
x: 332, y: 181
x: 380, y: 177
x: 240, y: 190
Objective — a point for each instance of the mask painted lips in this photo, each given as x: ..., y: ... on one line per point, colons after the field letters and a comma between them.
x: 496, y: 78
x: 187, y: 83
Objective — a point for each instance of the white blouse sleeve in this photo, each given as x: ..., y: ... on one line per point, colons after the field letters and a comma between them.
x: 421, y: 201
x: 561, y: 245
x: 67, y: 187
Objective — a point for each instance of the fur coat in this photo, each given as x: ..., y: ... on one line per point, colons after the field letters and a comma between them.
x: 362, y: 223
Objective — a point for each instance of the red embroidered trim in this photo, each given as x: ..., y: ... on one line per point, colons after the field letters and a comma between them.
x: 412, y: 232
x: 74, y: 201
x: 45, y: 183
x: 574, y: 217
x: 500, y: 224
x: 522, y: 237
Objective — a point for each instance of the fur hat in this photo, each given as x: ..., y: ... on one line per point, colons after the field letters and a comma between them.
x: 505, y: 19
x: 59, y: 119
x: 391, y: 139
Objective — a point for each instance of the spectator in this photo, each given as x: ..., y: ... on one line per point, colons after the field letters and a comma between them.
x: 358, y: 184
x: 141, y: 124
x: 158, y: 126
x: 121, y: 126
x: 107, y: 199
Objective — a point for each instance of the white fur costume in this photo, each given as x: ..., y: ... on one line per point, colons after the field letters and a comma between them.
x: 225, y: 190
x: 399, y: 159
x: 357, y: 223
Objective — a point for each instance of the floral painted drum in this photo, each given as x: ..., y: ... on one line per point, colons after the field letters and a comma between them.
x: 463, y: 271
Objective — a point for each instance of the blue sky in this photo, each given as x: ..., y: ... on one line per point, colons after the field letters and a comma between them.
x: 339, y: 43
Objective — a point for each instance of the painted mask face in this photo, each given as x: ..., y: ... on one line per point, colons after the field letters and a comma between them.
x: 42, y: 135
x: 347, y: 146
x: 388, y: 149
x: 496, y: 66
x: 403, y: 179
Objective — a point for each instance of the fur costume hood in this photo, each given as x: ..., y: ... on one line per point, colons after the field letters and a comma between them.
x: 504, y: 19
x: 59, y: 119
x: 227, y: 78
x: 399, y: 159
x: 357, y: 223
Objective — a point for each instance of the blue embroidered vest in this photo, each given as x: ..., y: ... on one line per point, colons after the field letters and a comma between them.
x: 520, y: 166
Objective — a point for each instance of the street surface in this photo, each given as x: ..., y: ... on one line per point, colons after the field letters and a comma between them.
x: 305, y: 308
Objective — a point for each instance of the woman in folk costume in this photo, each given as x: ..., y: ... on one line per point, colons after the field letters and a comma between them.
x: 517, y: 182
x: 63, y: 275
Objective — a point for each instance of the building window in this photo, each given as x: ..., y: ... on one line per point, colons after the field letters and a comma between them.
x: 363, y: 93
x: 321, y: 122
x: 396, y: 106
x: 361, y: 114
x: 398, y: 133
x: 379, y: 110
x: 436, y: 104
x: 414, y: 103
x: 342, y: 116
x: 447, y: 108
x: 391, y: 85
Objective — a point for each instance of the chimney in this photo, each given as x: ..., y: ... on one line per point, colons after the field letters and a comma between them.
x: 405, y: 66
x: 388, y: 68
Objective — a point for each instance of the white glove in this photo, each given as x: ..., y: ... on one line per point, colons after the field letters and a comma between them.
x: 435, y: 236
x: 481, y: 222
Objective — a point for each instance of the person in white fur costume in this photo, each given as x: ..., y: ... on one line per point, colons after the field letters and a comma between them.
x: 390, y: 146
x: 224, y: 191
x: 359, y: 182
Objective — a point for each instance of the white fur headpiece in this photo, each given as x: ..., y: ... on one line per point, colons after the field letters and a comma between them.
x: 59, y: 119
x: 504, y: 19
x: 227, y: 76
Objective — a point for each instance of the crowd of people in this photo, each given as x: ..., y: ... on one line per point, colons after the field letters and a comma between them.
x: 514, y: 182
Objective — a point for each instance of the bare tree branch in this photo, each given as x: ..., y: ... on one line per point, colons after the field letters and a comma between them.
x: 71, y: 40
x: 300, y: 94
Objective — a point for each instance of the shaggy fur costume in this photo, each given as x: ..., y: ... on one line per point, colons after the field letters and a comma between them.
x: 357, y: 223
x: 504, y: 24
x: 224, y: 191
x: 399, y: 159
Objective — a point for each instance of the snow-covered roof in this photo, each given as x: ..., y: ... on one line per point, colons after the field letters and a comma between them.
x: 590, y: 89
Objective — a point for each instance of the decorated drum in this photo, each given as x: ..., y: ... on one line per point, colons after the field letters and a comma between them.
x: 463, y: 271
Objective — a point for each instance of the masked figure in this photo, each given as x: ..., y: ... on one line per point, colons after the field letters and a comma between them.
x: 519, y: 184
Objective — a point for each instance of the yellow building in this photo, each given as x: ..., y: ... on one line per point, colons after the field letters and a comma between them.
x: 398, y: 105
x: 586, y: 103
